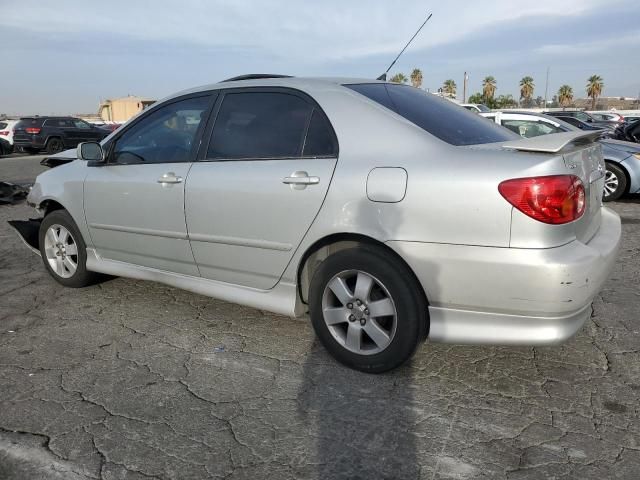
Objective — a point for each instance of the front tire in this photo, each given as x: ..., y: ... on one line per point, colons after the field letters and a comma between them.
x: 615, y: 183
x: 367, y: 309
x: 63, y: 251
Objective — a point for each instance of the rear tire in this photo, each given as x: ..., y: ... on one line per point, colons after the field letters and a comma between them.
x: 615, y: 183
x: 378, y: 316
x: 64, y: 252
x: 54, y: 145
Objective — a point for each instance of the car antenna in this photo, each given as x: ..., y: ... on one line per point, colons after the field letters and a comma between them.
x: 384, y: 75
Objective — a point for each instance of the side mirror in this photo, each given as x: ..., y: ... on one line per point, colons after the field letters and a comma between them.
x: 90, y: 151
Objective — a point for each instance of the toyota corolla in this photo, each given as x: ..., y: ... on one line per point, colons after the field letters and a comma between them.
x: 388, y: 214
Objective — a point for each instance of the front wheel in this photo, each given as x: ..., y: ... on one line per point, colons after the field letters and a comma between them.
x: 367, y: 310
x: 615, y: 183
x: 63, y: 250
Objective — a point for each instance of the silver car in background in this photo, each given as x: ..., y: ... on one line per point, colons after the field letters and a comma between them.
x: 387, y: 213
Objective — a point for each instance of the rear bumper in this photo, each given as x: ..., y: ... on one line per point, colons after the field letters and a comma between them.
x: 512, y: 296
x: 30, y: 142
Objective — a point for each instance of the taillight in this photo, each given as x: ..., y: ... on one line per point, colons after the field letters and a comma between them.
x: 4, y: 132
x: 32, y: 130
x: 555, y: 199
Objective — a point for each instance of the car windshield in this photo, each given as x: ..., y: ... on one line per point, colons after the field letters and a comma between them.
x: 439, y: 117
x: 583, y: 116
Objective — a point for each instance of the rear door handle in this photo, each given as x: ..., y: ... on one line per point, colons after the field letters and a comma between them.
x: 170, y: 177
x: 300, y: 180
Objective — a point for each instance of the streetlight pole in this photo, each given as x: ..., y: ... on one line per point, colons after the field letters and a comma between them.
x: 464, y: 88
x: 546, y: 89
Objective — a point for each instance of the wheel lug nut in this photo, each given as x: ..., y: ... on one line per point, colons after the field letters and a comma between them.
x: 352, y: 318
x: 358, y: 302
x: 350, y: 306
x: 363, y: 321
x: 366, y: 311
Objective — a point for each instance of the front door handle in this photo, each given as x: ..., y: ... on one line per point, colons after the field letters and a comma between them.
x: 170, y: 177
x: 300, y: 180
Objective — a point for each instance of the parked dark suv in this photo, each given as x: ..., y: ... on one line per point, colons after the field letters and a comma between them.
x: 54, y: 134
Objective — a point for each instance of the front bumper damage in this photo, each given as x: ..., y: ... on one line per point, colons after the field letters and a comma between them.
x: 28, y: 231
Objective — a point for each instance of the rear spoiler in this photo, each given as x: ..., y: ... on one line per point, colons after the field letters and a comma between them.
x: 553, y: 143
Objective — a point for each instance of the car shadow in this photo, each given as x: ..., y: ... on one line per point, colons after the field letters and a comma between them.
x: 363, y: 423
x: 367, y: 426
x: 629, y: 198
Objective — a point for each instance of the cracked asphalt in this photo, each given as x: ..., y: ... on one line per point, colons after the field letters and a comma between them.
x: 135, y: 380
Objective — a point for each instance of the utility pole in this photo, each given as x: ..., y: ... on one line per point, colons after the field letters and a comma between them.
x: 464, y: 88
x: 546, y: 89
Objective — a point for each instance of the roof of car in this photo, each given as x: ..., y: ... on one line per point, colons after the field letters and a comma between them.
x: 44, y: 117
x: 259, y: 80
x: 574, y: 110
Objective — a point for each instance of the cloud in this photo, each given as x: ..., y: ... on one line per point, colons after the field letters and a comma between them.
x: 304, y: 31
x: 89, y: 50
x: 586, y: 48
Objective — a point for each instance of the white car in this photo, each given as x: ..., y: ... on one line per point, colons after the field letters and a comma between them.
x: 6, y: 130
x: 476, y: 107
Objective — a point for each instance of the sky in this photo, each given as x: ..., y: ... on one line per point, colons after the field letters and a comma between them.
x: 65, y: 56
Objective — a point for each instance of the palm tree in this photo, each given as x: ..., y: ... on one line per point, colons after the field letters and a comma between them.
x: 526, y: 89
x: 488, y: 88
x: 595, y: 86
x: 475, y: 98
x: 416, y: 77
x: 399, y: 78
x: 449, y: 88
x: 565, y: 96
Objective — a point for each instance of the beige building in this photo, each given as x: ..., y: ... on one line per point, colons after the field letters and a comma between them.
x: 122, y: 109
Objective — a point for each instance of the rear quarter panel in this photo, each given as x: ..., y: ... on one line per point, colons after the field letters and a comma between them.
x: 452, y: 192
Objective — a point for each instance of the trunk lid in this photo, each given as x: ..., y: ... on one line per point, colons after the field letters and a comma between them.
x: 582, y: 156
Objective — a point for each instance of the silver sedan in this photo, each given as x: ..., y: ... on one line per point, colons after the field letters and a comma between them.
x: 388, y: 214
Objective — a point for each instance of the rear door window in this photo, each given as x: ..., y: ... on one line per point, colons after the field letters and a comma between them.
x: 320, y: 140
x: 441, y: 118
x: 259, y: 125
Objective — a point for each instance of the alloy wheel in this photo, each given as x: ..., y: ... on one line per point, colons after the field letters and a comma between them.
x: 61, y: 251
x: 359, y: 312
x: 611, y: 183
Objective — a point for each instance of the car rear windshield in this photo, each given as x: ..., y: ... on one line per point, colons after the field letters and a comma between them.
x: 3, y: 125
x: 29, y: 122
x: 441, y: 118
